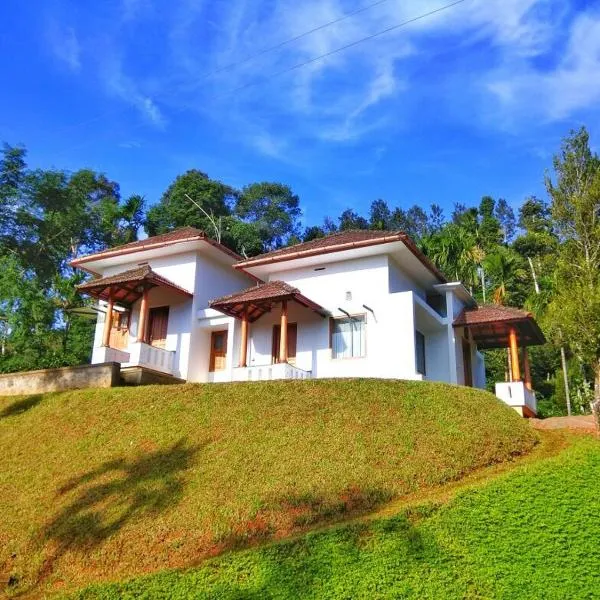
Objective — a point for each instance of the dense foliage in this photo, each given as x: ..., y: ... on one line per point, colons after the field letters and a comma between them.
x: 499, y: 540
x: 545, y: 257
x: 110, y: 483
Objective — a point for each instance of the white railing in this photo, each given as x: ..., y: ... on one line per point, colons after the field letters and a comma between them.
x: 144, y: 355
x: 103, y: 354
x: 515, y: 394
x: 270, y: 372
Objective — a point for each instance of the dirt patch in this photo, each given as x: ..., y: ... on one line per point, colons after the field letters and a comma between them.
x: 582, y: 423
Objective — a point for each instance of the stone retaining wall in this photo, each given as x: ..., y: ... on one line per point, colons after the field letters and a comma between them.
x: 56, y: 380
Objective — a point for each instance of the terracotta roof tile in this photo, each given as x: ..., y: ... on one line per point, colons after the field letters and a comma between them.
x: 263, y: 291
x: 259, y: 299
x: 177, y: 235
x: 126, y: 292
x: 490, y: 313
x: 342, y: 240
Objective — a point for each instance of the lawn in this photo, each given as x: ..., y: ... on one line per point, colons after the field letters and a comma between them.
x: 100, y: 485
x: 531, y: 533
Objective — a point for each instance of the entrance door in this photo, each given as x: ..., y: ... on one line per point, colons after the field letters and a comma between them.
x: 218, y: 350
x: 292, y: 336
x: 467, y: 365
x: 119, y: 332
x: 157, y: 326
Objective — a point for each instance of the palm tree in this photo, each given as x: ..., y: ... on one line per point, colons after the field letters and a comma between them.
x: 505, y: 270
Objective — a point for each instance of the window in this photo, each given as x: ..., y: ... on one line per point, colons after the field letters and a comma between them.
x: 348, y: 337
x: 420, y: 352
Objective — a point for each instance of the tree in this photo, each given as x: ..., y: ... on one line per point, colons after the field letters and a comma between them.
x: 350, y: 219
x: 506, y: 217
x: 175, y: 209
x: 575, y: 207
x: 51, y: 216
x: 380, y: 215
x: 505, y: 271
x: 273, y: 208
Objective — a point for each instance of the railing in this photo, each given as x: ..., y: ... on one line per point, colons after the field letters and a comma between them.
x: 270, y: 372
x: 515, y: 394
x: 144, y: 355
x: 103, y: 354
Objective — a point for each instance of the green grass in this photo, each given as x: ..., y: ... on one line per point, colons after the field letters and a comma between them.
x: 108, y: 484
x: 533, y: 533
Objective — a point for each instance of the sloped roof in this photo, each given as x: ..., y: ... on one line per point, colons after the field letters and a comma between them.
x: 259, y: 299
x: 127, y: 286
x: 336, y: 242
x: 183, y: 234
x: 490, y: 324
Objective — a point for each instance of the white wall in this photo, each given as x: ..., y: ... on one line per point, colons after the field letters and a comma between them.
x: 436, y: 356
x: 400, y: 281
x: 213, y: 279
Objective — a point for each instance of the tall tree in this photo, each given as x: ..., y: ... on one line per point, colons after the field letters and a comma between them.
x: 575, y: 194
x: 380, y: 215
x: 350, y: 219
x: 188, y: 200
x: 274, y: 210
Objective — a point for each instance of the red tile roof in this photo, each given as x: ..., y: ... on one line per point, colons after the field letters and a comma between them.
x: 183, y: 234
x: 259, y: 299
x: 336, y: 242
x: 125, y: 285
x: 490, y: 324
x: 490, y: 313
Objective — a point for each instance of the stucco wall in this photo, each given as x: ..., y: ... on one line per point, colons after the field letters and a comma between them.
x: 400, y: 281
x: 56, y: 380
x: 213, y: 279
x: 350, y: 286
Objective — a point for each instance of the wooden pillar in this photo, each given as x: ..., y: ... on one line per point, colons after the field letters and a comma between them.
x: 143, y: 322
x: 108, y: 320
x: 514, y: 354
x: 283, y: 343
x: 526, y: 370
x: 244, y: 340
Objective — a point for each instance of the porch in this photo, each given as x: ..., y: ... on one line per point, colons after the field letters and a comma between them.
x: 495, y: 326
x: 139, y: 305
x: 273, y: 351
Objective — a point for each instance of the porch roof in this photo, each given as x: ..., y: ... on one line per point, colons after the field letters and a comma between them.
x: 128, y: 286
x: 490, y: 325
x: 259, y: 299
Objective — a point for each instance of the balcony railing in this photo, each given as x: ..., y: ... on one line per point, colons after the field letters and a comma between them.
x: 144, y: 355
x: 270, y: 372
x: 138, y: 354
x: 515, y: 394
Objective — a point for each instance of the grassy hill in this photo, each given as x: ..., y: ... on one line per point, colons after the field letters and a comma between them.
x: 105, y: 484
x: 530, y: 533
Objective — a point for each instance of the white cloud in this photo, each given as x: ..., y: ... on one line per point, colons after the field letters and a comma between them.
x: 64, y: 45
x: 557, y: 92
x: 124, y: 87
x: 490, y: 61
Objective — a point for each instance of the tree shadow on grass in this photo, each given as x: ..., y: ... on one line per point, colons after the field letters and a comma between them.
x: 115, y: 493
x: 20, y: 406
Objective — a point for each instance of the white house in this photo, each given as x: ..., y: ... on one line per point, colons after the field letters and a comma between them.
x: 353, y: 304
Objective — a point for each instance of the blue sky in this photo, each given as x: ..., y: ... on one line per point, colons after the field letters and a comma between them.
x: 473, y: 100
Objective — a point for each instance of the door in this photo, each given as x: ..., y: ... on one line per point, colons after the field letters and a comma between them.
x: 119, y: 332
x: 218, y: 351
x: 467, y: 365
x: 292, y: 336
x: 157, y: 326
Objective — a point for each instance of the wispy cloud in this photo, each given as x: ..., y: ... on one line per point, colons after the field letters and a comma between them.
x: 127, y: 89
x: 482, y: 62
x: 571, y: 84
x: 64, y: 45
